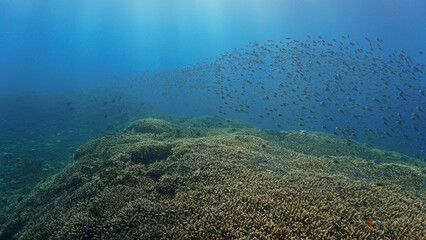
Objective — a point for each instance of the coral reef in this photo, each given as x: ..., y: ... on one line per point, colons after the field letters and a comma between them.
x: 158, y: 180
x: 149, y: 125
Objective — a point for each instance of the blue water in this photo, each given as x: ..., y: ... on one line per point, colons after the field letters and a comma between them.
x: 72, y: 44
x: 71, y: 71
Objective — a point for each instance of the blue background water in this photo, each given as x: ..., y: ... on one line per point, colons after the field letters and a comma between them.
x: 61, y: 64
x: 71, y: 44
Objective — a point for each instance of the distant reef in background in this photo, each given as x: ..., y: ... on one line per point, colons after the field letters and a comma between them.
x: 209, y: 178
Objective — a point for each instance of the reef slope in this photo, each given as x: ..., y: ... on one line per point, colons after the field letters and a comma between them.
x: 159, y: 180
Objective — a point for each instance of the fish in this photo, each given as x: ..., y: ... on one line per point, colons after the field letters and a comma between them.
x: 370, y: 223
x: 352, y: 88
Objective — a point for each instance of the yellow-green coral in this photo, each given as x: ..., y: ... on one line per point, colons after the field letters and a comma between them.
x: 221, y: 184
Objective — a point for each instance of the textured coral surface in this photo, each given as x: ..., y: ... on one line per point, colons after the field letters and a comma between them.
x: 202, y: 180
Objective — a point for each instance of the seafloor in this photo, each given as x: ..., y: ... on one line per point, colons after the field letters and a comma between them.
x: 208, y: 178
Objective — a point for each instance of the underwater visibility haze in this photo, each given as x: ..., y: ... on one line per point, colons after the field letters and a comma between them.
x: 212, y: 119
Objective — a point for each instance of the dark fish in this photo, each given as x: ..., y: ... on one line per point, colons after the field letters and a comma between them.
x: 374, y: 95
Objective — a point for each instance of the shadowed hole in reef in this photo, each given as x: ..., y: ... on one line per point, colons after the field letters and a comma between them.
x: 148, y: 154
x: 155, y: 174
x: 168, y: 191
x: 168, y: 185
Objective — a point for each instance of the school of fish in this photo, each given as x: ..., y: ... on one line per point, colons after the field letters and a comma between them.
x: 355, y: 90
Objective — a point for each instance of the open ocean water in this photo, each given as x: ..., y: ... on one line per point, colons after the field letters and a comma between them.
x: 212, y: 119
